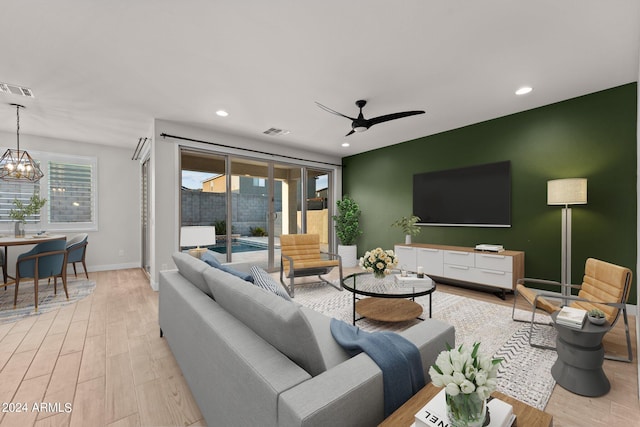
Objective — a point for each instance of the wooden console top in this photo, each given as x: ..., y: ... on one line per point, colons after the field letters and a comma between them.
x: 458, y: 248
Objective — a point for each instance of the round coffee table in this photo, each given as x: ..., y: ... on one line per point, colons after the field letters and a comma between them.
x: 389, y: 300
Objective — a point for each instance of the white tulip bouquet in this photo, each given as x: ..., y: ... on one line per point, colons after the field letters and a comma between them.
x: 468, y: 378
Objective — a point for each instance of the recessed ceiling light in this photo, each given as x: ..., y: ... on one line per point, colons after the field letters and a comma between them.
x: 524, y: 90
x: 222, y: 113
x: 345, y: 144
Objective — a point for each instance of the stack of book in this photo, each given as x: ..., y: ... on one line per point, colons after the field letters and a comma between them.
x: 434, y: 413
x: 571, y: 317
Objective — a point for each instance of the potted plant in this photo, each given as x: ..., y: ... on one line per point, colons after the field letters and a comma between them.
x: 347, y: 224
x: 408, y: 226
x: 596, y: 316
x: 22, y: 211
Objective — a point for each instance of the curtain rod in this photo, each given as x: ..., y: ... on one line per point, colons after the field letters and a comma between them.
x: 138, y: 150
x: 164, y: 135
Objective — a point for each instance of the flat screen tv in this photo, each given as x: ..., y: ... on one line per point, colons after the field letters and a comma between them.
x: 474, y: 196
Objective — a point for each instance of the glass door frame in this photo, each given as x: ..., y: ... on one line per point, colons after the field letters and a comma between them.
x: 271, y: 163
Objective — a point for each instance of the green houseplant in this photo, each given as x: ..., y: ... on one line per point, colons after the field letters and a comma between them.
x: 347, y: 223
x: 21, y: 211
x: 408, y: 226
x: 596, y: 316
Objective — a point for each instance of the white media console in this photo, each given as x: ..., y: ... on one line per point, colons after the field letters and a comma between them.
x: 455, y: 264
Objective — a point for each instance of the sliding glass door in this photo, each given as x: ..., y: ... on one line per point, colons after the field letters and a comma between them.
x: 251, y: 203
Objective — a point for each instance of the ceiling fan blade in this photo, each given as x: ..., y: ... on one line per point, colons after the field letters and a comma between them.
x: 387, y: 117
x: 329, y: 110
x: 350, y: 132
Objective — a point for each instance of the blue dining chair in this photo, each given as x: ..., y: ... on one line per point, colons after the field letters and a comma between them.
x: 47, y: 259
x: 76, y: 251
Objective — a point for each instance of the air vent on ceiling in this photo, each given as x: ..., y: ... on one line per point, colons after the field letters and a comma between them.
x: 16, y: 90
x: 276, y: 132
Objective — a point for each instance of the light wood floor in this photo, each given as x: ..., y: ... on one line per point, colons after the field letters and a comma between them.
x: 104, y: 357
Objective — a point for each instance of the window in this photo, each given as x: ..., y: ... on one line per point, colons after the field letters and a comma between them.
x: 69, y: 185
x: 70, y: 193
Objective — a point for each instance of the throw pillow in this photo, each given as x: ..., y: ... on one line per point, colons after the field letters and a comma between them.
x: 213, y: 262
x: 263, y: 280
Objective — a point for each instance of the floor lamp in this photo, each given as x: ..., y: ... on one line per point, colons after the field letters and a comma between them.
x: 197, y: 236
x: 570, y: 191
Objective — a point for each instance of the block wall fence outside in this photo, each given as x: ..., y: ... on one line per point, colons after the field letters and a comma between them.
x: 204, y: 208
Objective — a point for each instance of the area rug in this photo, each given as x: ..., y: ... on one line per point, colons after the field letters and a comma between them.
x: 525, y: 373
x: 47, y: 301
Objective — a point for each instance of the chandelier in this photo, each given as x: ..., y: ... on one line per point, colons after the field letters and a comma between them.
x: 17, y: 165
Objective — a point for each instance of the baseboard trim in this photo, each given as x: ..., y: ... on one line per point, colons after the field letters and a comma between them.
x: 107, y: 267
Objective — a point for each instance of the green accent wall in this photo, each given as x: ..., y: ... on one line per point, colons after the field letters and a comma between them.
x: 592, y: 136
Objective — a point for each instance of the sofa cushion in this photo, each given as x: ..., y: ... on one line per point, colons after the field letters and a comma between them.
x: 263, y: 280
x: 191, y: 269
x: 332, y: 353
x: 213, y: 262
x: 275, y: 320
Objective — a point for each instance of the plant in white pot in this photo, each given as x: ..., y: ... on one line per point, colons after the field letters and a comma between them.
x: 347, y: 224
x: 408, y: 226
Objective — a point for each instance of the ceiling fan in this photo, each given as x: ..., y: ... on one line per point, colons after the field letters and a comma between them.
x: 360, y: 124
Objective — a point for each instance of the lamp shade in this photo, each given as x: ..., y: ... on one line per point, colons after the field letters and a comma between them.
x: 197, y: 236
x: 569, y: 191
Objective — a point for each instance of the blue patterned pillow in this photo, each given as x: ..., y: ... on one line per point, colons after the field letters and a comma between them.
x: 263, y: 280
x: 213, y: 262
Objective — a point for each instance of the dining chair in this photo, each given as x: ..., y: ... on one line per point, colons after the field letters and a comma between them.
x: 47, y: 259
x: 77, y: 250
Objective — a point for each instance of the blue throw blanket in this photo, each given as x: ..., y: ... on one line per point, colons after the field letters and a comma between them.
x: 397, y: 357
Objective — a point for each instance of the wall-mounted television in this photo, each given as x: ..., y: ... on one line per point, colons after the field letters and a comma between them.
x: 473, y: 196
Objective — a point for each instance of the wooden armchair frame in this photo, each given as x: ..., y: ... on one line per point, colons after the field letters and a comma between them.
x: 36, y: 257
x: 301, y: 257
x: 538, y: 299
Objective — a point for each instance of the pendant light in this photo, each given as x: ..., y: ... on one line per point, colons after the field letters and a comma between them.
x: 17, y: 165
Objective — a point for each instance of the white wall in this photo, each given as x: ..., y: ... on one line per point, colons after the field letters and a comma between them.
x: 165, y: 181
x: 118, y: 201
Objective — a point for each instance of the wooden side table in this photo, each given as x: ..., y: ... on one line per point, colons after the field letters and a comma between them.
x: 526, y: 416
x: 580, y: 358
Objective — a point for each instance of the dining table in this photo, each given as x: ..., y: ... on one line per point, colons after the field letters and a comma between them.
x: 29, y: 239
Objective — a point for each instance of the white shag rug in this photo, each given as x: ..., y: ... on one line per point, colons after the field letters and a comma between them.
x: 525, y: 373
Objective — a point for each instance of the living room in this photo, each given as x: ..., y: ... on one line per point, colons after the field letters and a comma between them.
x: 586, y: 129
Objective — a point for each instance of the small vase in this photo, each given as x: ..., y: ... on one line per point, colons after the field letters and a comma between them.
x: 466, y: 410
x: 407, y: 239
x: 19, y: 229
x: 378, y: 275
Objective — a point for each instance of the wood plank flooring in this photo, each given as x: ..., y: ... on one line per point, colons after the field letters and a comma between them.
x: 101, y: 362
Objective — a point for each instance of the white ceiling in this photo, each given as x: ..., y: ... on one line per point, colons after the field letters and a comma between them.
x: 103, y: 70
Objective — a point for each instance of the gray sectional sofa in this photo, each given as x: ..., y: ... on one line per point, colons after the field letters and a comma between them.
x: 251, y: 358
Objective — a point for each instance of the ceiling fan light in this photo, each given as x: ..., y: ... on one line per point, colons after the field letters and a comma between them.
x: 360, y: 128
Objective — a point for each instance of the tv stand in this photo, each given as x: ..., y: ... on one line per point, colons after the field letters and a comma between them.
x: 464, y: 266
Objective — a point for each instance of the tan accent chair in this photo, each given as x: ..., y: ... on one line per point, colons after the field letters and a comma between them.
x: 604, y: 286
x: 301, y: 256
